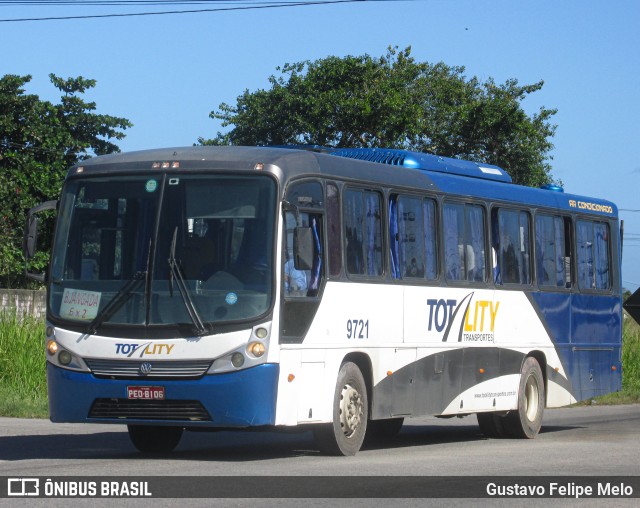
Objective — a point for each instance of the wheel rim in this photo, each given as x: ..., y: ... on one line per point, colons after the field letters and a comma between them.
x: 351, y: 410
x: 531, y: 396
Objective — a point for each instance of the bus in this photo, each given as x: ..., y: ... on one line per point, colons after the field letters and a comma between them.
x: 338, y: 291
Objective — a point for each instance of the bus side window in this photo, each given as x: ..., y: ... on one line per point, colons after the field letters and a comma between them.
x: 511, y: 247
x: 315, y: 222
x: 464, y: 236
x: 334, y: 236
x: 298, y: 282
x: 412, y: 234
x: 592, y: 245
x: 308, y: 198
x: 363, y: 232
x: 568, y: 253
x: 354, y: 233
x: 553, y: 261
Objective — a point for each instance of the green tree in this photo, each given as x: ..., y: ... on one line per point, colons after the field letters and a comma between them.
x: 39, y: 141
x: 395, y: 102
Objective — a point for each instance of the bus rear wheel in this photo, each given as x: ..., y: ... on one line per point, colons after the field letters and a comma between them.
x: 345, y: 434
x: 526, y: 421
x: 152, y: 439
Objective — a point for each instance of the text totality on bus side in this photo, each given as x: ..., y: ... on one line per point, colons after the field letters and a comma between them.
x: 479, y: 320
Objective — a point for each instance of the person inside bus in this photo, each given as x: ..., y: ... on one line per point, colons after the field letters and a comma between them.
x: 295, y: 281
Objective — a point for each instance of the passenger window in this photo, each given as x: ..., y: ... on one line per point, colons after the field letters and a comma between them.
x: 413, y: 241
x: 593, y: 255
x: 334, y: 235
x: 363, y: 232
x: 552, y: 263
x: 464, y: 242
x: 511, y: 247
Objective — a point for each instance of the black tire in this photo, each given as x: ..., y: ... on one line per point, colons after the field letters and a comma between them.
x: 491, y: 425
x: 526, y: 421
x: 345, y: 435
x: 151, y: 439
x: 382, y: 430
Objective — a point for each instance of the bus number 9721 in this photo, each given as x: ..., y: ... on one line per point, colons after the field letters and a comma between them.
x: 357, y: 329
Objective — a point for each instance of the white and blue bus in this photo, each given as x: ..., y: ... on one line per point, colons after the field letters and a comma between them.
x: 339, y: 291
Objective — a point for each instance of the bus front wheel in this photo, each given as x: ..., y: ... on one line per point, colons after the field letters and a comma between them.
x: 526, y: 421
x: 151, y: 439
x: 345, y: 434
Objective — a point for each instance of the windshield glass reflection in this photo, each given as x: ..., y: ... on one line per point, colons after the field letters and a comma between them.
x: 214, y: 236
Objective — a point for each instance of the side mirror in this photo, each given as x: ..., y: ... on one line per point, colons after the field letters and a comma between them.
x: 30, y: 240
x: 31, y: 236
x: 303, y: 247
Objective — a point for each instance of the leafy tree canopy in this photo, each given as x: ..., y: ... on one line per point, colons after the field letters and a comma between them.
x: 39, y: 141
x: 395, y: 102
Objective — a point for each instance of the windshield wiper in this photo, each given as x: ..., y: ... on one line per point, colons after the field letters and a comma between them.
x: 176, y: 274
x: 116, y: 302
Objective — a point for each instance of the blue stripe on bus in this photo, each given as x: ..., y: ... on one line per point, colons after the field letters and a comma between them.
x: 236, y: 399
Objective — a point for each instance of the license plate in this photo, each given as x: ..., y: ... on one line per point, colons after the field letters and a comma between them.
x: 145, y: 392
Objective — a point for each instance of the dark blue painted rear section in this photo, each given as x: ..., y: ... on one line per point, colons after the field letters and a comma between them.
x: 587, y: 333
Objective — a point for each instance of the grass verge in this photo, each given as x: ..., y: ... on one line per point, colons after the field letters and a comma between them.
x: 23, y: 383
x: 14, y: 405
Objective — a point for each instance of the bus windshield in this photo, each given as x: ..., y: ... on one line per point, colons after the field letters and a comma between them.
x: 170, y: 249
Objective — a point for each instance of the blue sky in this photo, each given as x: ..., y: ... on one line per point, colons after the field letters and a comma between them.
x: 166, y: 73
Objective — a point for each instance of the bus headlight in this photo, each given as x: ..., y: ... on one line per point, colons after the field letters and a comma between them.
x: 52, y: 347
x: 61, y: 357
x: 252, y: 353
x: 256, y: 349
x: 65, y: 357
x: 237, y: 360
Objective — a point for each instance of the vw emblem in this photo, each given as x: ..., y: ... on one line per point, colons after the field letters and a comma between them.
x: 145, y: 368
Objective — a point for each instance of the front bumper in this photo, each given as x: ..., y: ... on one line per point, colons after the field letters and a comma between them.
x: 245, y: 398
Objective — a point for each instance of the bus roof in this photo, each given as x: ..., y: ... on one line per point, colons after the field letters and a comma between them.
x: 394, y: 168
x: 426, y: 162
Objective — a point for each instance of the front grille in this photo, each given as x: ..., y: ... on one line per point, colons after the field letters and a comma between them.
x: 159, y: 368
x: 186, y: 410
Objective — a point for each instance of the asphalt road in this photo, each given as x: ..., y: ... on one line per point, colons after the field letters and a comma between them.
x: 583, y: 441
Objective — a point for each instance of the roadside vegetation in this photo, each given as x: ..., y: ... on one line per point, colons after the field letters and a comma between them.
x: 23, y: 383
